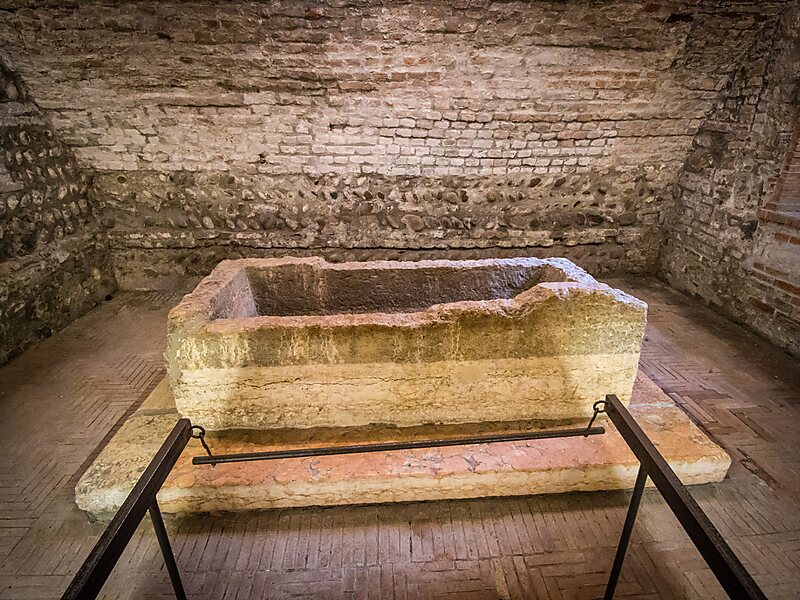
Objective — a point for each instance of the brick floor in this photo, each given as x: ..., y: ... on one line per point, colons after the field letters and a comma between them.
x: 60, y: 401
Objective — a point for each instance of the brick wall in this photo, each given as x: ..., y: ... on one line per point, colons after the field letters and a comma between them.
x: 362, y: 129
x: 727, y: 241
x: 53, y: 257
x: 787, y: 193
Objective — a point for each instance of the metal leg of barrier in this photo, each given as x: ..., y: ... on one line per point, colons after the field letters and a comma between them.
x: 166, y: 550
x: 627, y: 529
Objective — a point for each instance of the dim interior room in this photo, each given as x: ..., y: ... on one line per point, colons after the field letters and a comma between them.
x: 480, y: 299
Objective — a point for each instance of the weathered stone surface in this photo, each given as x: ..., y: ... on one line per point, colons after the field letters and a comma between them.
x: 380, y: 126
x: 54, y: 263
x: 383, y: 130
x: 306, y: 343
x: 171, y: 269
x: 536, y: 467
x: 180, y: 219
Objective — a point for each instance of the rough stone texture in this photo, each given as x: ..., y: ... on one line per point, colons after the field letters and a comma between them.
x: 293, y: 343
x: 174, y: 269
x: 363, y: 130
x: 53, y: 256
x: 501, y: 469
x: 730, y: 241
x: 379, y: 127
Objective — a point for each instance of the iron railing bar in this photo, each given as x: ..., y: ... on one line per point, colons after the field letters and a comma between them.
x: 94, y: 572
x: 719, y: 556
x: 392, y: 446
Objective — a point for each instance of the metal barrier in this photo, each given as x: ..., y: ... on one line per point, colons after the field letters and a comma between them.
x: 213, y: 459
x: 720, y: 558
x: 95, y: 570
x: 728, y: 570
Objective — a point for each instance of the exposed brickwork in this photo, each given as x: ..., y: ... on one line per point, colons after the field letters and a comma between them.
x: 787, y: 194
x: 53, y: 258
x: 721, y: 247
x: 381, y: 127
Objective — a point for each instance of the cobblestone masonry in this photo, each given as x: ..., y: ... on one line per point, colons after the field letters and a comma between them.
x: 53, y: 257
x: 729, y: 244
x: 377, y: 129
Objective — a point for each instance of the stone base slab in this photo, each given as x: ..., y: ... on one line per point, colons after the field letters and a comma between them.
x: 501, y: 469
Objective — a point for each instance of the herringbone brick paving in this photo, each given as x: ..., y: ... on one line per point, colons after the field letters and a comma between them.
x: 60, y: 401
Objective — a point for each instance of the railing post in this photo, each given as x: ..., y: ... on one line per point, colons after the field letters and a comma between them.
x: 727, y: 568
x: 92, y: 575
x: 627, y: 529
x: 166, y: 550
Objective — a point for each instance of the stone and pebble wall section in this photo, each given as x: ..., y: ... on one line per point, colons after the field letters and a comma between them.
x: 367, y: 130
x: 54, y: 262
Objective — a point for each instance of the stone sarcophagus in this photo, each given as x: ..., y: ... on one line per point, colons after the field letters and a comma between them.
x: 301, y: 343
